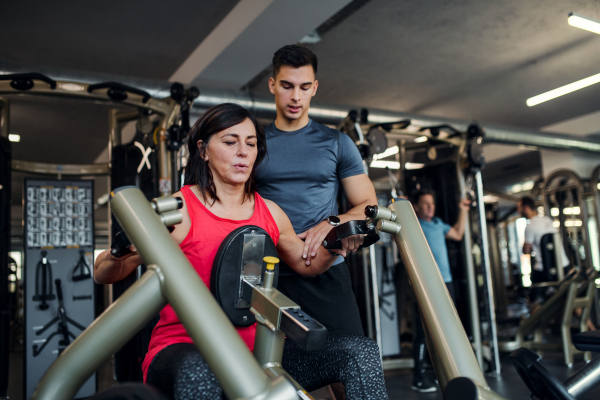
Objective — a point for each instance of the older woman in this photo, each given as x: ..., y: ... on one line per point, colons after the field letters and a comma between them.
x: 225, y: 146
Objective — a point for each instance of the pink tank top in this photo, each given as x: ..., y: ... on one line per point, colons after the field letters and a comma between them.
x: 206, y: 233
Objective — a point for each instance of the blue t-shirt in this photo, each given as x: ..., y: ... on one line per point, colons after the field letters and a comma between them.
x: 303, y: 169
x: 435, y: 232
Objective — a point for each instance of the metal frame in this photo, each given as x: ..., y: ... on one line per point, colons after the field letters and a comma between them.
x: 167, y: 108
x: 488, y: 273
x: 170, y: 279
x: 451, y: 352
x: 595, y: 191
x: 573, y: 293
x: 578, y: 186
x: 459, y: 142
x: 470, y: 267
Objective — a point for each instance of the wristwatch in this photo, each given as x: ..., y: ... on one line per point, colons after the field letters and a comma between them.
x: 333, y: 220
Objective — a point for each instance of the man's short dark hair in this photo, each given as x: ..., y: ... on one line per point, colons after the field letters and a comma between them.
x: 527, y: 201
x: 420, y: 193
x: 294, y: 56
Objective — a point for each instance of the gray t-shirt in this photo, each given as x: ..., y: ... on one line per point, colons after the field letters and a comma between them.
x: 303, y: 170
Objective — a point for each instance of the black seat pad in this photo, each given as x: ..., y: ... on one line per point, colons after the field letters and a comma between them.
x: 587, y: 341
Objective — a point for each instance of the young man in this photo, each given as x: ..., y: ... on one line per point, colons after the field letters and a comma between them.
x: 436, y: 232
x: 537, y: 227
x: 306, y: 165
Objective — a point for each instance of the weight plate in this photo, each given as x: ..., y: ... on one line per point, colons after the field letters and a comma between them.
x: 227, y: 269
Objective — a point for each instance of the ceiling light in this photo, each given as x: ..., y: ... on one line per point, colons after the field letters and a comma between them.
x: 71, y: 87
x: 410, y: 165
x: 385, y: 164
x: 395, y: 165
x: 556, y: 224
x: 312, y: 38
x: 14, y: 137
x: 554, y: 212
x: 571, y: 223
x: 421, y: 139
x: 571, y: 210
x: 390, y: 151
x: 488, y: 198
x: 581, y: 22
x: 571, y: 87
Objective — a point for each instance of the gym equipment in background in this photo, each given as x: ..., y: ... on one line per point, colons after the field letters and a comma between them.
x: 43, y: 282
x: 58, y: 248
x: 545, y: 386
x: 170, y: 276
x: 5, y: 209
x: 62, y: 321
x: 82, y: 269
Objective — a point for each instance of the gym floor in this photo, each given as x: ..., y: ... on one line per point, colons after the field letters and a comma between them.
x: 398, y: 382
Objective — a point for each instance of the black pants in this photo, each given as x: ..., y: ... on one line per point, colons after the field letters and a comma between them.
x: 327, y: 297
x: 419, y: 342
x: 180, y: 372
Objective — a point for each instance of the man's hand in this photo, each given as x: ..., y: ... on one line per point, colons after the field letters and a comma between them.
x: 464, y: 205
x: 313, y: 239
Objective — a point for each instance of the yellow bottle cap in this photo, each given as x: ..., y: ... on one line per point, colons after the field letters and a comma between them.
x: 271, y: 261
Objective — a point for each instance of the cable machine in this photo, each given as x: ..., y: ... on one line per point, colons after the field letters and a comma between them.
x: 443, y: 158
x: 59, y: 231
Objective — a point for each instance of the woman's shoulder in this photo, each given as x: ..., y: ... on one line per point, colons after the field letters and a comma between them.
x: 273, y: 208
x: 271, y: 205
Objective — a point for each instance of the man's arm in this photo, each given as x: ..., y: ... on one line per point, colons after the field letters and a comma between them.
x: 458, y: 230
x: 290, y: 247
x: 360, y: 193
x: 528, y: 239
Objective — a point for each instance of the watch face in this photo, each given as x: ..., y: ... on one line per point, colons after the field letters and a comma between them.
x: 333, y: 220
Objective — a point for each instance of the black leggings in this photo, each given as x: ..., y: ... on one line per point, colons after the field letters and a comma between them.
x: 181, y: 373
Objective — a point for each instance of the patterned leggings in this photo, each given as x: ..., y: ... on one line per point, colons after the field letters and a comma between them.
x: 181, y: 373
x: 351, y: 360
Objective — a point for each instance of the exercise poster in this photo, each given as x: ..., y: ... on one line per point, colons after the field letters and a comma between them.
x: 59, y: 214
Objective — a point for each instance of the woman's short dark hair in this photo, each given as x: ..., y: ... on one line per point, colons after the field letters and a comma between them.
x: 216, y: 119
x: 294, y: 56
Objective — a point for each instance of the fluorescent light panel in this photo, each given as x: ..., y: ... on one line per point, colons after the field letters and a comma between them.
x: 581, y: 22
x: 561, y: 91
x: 395, y: 165
x: 13, y: 137
x: 390, y: 151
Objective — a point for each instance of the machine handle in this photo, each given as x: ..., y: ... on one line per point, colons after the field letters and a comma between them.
x: 20, y: 80
x: 120, y: 246
x: 119, y: 90
x: 333, y: 240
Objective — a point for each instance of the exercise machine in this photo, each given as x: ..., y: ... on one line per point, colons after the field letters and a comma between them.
x: 545, y: 386
x: 170, y: 278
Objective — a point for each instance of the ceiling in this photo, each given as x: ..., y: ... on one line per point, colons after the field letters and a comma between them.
x: 462, y: 59
x: 468, y: 60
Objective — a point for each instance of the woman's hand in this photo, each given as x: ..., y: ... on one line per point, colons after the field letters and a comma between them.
x: 109, y: 269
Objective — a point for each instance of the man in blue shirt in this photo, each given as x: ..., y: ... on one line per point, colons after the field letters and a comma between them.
x: 307, y: 164
x: 436, y: 232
